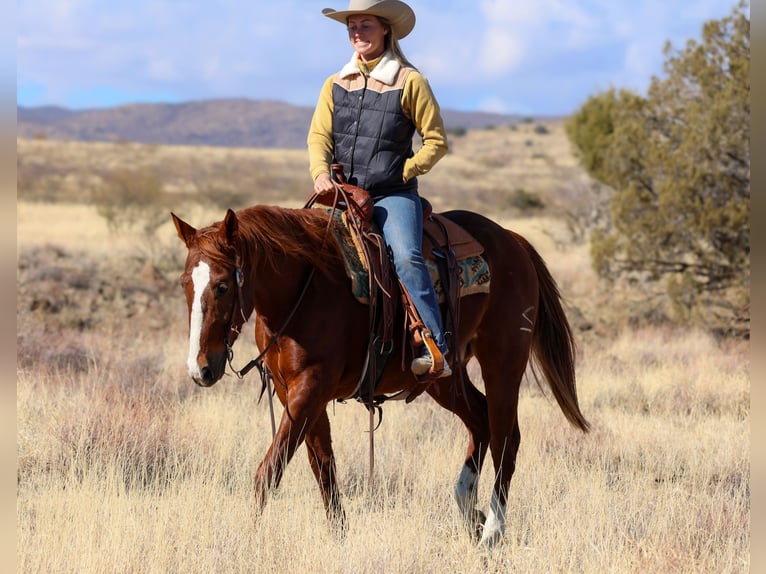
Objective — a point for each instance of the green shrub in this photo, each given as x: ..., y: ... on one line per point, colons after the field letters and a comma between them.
x: 457, y: 131
x: 525, y: 200
x: 678, y: 161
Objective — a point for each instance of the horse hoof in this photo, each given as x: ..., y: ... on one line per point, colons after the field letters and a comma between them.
x: 490, y: 541
x: 477, y: 524
x: 490, y: 537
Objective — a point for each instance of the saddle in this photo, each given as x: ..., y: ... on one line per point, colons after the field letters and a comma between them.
x: 444, y: 245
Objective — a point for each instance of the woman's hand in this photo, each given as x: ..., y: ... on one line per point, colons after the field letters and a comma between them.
x: 323, y: 183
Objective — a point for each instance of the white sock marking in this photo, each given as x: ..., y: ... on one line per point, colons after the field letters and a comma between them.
x: 494, y: 527
x: 200, y: 280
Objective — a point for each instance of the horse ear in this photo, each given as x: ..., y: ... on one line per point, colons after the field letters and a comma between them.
x: 230, y: 227
x: 185, y: 231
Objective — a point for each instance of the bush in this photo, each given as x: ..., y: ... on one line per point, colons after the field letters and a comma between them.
x: 457, y: 131
x: 525, y: 200
x: 131, y: 199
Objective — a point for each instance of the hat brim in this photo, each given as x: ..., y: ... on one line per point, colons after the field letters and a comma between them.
x: 398, y: 14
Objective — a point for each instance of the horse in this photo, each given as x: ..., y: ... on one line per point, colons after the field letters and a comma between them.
x: 281, y: 264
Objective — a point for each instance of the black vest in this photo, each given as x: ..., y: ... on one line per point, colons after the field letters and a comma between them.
x: 372, y: 135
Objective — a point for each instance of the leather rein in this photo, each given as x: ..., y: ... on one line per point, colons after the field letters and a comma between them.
x: 265, y: 373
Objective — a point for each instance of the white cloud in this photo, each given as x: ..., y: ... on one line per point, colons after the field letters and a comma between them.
x: 502, y: 51
x: 517, y: 32
x: 544, y: 55
x: 493, y: 104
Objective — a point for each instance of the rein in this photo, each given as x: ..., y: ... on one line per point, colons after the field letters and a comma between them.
x: 360, y: 206
x: 257, y: 362
x: 266, y: 377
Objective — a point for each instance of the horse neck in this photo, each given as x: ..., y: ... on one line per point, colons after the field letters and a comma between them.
x: 272, y: 288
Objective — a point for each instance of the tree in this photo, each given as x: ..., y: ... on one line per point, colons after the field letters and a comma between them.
x: 678, y: 161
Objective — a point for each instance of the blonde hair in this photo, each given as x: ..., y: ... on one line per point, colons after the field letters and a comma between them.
x: 392, y: 45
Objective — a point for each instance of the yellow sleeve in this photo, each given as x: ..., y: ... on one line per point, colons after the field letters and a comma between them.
x: 420, y: 105
x: 320, y: 142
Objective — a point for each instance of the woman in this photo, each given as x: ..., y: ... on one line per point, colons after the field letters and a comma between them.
x: 365, y: 119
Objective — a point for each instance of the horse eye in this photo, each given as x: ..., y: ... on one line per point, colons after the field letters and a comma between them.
x: 220, y: 290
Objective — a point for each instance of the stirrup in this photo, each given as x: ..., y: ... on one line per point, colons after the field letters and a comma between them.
x: 421, y: 368
x: 433, y: 364
x: 420, y: 365
x: 437, y: 359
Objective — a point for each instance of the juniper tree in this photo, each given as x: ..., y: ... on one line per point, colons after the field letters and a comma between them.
x: 678, y: 161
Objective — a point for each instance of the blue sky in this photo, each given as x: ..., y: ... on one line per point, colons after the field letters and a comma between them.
x: 511, y: 56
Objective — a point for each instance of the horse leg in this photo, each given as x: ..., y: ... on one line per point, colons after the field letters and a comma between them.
x: 322, y: 461
x: 297, y: 418
x: 505, y: 465
x: 502, y: 385
x: 470, y: 405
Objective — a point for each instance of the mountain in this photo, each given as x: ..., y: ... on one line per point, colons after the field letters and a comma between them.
x: 225, y: 122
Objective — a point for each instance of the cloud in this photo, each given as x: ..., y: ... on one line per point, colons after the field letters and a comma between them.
x: 544, y: 56
x: 518, y: 33
x: 501, y: 52
x: 193, y: 48
x: 494, y: 104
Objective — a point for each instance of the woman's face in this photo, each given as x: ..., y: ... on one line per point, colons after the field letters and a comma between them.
x: 367, y: 35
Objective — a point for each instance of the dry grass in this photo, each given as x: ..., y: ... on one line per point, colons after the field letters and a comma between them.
x: 125, y: 466
x: 74, y: 171
x: 484, y: 170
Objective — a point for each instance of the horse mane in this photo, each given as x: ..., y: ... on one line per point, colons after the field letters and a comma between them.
x: 269, y: 232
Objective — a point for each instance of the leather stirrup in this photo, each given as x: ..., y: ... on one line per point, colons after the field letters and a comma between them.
x: 437, y: 358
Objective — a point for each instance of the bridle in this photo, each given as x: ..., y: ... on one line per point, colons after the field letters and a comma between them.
x: 258, y: 361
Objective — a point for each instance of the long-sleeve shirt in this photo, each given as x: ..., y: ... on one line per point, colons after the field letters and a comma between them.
x: 417, y: 101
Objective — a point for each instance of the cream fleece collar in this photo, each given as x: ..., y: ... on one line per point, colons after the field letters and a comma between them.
x: 384, y: 71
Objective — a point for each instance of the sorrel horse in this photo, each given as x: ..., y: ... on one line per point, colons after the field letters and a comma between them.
x: 261, y: 259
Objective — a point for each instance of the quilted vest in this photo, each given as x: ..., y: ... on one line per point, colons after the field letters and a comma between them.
x: 372, y: 135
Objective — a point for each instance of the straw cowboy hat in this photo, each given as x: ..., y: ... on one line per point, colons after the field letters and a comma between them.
x: 397, y: 13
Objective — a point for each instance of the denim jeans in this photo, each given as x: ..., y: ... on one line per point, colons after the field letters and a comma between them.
x: 400, y: 218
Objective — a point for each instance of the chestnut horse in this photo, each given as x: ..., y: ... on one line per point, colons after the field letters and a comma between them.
x: 281, y: 264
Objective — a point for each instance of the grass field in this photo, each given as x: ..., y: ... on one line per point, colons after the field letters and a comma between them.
x: 124, y: 465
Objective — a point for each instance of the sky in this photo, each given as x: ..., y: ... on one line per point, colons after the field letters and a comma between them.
x: 541, y: 57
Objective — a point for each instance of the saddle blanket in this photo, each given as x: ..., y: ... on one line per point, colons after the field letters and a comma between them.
x: 474, y: 276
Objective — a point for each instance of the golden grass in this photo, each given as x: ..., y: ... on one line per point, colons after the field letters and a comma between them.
x: 73, y: 171
x: 129, y: 467
x: 125, y: 466
x: 483, y: 171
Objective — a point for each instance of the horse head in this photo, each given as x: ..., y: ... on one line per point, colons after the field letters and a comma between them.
x: 211, y: 280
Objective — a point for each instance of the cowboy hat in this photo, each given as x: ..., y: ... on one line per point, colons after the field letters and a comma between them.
x: 397, y: 13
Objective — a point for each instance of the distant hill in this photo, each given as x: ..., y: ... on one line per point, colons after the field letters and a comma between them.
x: 225, y: 122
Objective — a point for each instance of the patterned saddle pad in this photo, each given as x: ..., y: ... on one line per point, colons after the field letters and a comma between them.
x: 474, y: 276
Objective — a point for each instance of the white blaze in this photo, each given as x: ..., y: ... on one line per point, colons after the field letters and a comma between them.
x: 200, y: 280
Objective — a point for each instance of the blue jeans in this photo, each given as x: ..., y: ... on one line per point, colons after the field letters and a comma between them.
x: 400, y: 218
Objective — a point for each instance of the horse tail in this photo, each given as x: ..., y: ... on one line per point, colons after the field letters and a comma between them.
x: 553, y: 345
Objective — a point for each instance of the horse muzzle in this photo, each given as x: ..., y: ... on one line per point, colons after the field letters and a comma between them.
x: 207, y: 375
x: 205, y: 378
